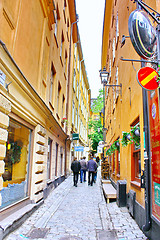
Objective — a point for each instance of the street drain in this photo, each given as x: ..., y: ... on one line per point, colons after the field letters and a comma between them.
x: 106, y: 235
x: 71, y: 238
x: 38, y: 233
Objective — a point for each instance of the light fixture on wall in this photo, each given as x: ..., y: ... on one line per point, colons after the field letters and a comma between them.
x: 104, y: 75
x: 123, y: 40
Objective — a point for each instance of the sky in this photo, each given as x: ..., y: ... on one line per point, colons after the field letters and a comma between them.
x: 91, y: 13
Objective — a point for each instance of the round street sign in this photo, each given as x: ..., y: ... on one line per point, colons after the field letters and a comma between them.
x: 142, y: 34
x: 147, y: 77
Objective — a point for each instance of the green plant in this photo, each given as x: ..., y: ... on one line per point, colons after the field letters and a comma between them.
x: 126, y: 139
x: 158, y: 78
x: 108, y: 152
x: 14, y: 152
x: 96, y: 133
x: 117, y: 145
x: 135, y: 135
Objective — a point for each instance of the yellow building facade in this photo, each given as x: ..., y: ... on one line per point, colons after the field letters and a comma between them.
x: 36, y: 68
x: 124, y: 106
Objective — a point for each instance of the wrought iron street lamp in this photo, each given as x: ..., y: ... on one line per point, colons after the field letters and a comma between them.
x: 104, y: 75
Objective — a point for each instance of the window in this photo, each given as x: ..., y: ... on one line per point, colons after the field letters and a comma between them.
x: 113, y: 163
x: 73, y: 113
x: 2, y: 78
x: 76, y: 119
x: 67, y: 29
x: 113, y: 50
x: 118, y: 163
x: 52, y: 80
x: 64, y: 8
x: 117, y: 82
x: 135, y: 160
x: 74, y: 81
x: 75, y: 50
x: 61, y: 160
x: 78, y: 62
x: 63, y: 105
x: 62, y: 48
x: 77, y: 89
x: 58, y: 97
x: 57, y: 17
x: 66, y: 65
x: 49, y: 158
x: 56, y: 162
x: 17, y: 159
x: 117, y: 31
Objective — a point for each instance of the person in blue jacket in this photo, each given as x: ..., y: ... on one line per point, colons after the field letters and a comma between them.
x: 92, y: 167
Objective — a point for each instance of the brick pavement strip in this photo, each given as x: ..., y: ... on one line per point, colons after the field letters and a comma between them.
x: 81, y: 213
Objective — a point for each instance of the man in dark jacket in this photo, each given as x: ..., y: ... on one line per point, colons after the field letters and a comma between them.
x: 92, y: 167
x: 75, y: 166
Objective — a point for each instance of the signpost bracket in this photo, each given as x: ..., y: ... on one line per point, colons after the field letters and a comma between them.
x: 136, y: 60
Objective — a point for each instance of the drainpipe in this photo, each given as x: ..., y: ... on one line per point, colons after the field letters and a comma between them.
x: 147, y: 157
x: 147, y: 162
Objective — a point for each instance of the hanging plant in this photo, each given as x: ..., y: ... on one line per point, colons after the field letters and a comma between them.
x: 158, y: 78
x: 135, y: 134
x: 114, y: 147
x: 108, y: 152
x: 126, y: 139
x: 14, y: 152
x: 117, y: 145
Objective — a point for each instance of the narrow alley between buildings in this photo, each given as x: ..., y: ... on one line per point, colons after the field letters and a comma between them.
x: 78, y: 213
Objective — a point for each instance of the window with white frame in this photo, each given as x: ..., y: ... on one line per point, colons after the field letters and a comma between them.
x: 113, y: 50
x: 73, y: 112
x: 117, y: 82
x: 110, y: 68
x: 57, y: 17
x: 117, y: 30
x: 76, y: 120
x: 77, y: 89
x: 74, y: 80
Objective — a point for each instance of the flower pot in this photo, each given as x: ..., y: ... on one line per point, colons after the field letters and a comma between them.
x: 117, y: 144
x: 137, y: 132
x: 128, y: 137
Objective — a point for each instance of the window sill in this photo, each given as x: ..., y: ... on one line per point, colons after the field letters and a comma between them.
x: 136, y: 184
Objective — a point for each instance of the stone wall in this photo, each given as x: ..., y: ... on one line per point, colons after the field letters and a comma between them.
x: 5, y: 108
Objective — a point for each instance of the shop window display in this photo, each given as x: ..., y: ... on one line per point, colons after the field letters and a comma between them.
x: 15, y: 176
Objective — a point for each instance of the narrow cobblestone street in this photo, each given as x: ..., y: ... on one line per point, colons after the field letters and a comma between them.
x: 81, y: 213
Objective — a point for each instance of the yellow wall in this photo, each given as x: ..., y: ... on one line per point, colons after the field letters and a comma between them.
x: 30, y: 50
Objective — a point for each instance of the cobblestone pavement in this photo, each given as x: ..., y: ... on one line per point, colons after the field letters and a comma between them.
x: 78, y: 213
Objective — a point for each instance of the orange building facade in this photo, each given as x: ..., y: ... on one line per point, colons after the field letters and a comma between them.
x: 124, y: 112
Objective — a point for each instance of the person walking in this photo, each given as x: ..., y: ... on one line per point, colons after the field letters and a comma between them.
x: 75, y: 167
x: 83, y: 169
x: 92, y: 167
